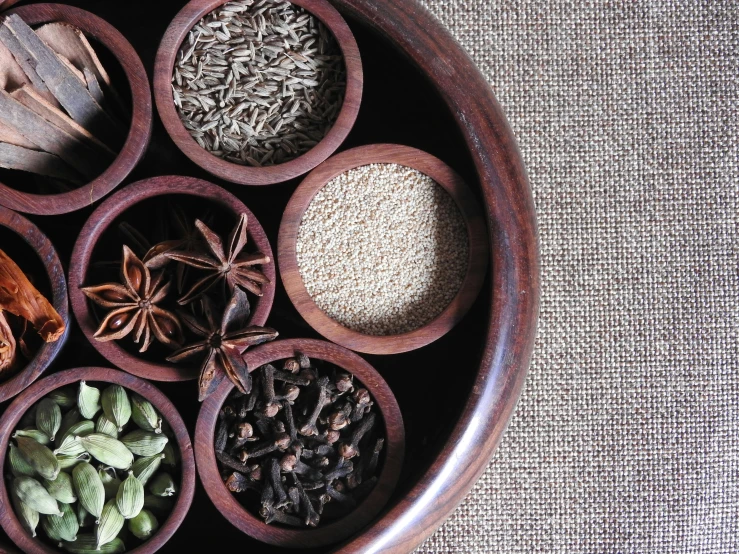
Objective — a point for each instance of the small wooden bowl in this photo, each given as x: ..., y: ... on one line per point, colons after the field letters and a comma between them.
x: 476, y: 235
x: 335, y: 531
x: 99, y: 221
x: 141, y: 114
x: 246, y: 175
x: 40, y: 243
x: 166, y: 409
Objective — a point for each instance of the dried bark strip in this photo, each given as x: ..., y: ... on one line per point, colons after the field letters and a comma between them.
x: 71, y: 93
x: 49, y: 137
x: 33, y: 161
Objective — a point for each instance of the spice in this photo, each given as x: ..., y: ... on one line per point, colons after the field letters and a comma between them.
x: 86, y: 500
x: 54, y: 100
x: 19, y: 297
x: 259, y: 82
x: 382, y: 249
x: 210, y: 321
x: 305, y: 444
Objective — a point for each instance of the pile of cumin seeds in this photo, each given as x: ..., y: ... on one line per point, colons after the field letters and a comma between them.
x: 259, y: 82
x: 382, y: 249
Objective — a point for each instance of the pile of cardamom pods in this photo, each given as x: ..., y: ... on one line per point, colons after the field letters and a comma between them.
x: 81, y: 465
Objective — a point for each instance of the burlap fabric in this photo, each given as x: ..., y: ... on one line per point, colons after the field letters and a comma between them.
x: 626, y: 438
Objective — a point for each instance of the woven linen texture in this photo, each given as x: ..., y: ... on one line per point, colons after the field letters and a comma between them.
x: 626, y: 438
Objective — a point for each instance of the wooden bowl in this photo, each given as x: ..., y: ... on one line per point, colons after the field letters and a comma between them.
x: 246, y: 175
x: 335, y: 531
x: 99, y: 221
x: 476, y: 235
x: 40, y: 243
x: 166, y: 409
x: 141, y: 114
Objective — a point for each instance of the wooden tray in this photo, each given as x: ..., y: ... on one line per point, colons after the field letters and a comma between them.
x: 456, y: 394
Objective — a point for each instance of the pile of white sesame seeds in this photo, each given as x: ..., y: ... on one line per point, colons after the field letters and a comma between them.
x: 382, y: 249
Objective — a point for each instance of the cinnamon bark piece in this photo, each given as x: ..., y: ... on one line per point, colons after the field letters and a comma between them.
x: 11, y: 135
x: 33, y: 161
x: 68, y: 89
x: 34, y: 101
x: 50, y: 138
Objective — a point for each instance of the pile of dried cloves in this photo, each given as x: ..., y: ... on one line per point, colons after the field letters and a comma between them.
x: 303, y: 446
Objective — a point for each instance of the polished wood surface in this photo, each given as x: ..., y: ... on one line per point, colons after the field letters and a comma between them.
x: 335, y: 531
x: 246, y: 175
x: 166, y: 409
x: 427, y: 164
x: 106, y: 214
x: 141, y: 114
x: 40, y: 243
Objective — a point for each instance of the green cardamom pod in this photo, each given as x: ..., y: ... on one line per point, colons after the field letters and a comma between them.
x: 87, y: 544
x: 69, y: 445
x: 48, y: 417
x: 88, y: 400
x: 162, y: 485
x: 18, y: 465
x: 108, y: 450
x: 40, y: 458
x: 158, y: 504
x: 144, y: 468
x: 28, y: 517
x: 130, y: 497
x: 35, y: 496
x: 143, y: 525
x: 84, y: 517
x: 145, y: 415
x: 106, y: 426
x: 69, y: 462
x: 110, y: 481
x: 144, y: 443
x: 116, y: 405
x: 62, y: 528
x: 89, y: 487
x: 61, y: 488
x: 110, y: 524
x: 68, y: 419
x: 64, y: 397
x: 170, y: 455
x: 39, y: 436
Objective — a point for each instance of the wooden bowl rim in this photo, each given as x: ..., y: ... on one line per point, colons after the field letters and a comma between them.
x: 44, y: 249
x: 250, y: 524
x: 477, y: 258
x: 176, y: 33
x: 99, y: 222
x: 20, y: 405
x: 141, y: 114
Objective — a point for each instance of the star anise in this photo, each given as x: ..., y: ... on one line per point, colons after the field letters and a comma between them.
x: 133, y: 305
x: 228, y: 265
x: 223, y: 343
x: 189, y: 240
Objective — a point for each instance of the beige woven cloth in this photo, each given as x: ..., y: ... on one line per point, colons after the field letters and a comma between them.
x: 626, y: 438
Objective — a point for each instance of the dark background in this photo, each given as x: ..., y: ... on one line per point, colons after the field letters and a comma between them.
x: 399, y: 106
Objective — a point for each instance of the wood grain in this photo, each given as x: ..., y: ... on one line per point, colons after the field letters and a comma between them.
x: 515, y: 274
x: 104, y: 216
x: 139, y: 131
x: 48, y: 351
x: 166, y: 409
x: 254, y: 526
x: 427, y: 164
x: 246, y: 175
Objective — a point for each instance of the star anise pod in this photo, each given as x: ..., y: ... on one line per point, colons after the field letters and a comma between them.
x: 133, y: 305
x: 223, y: 343
x: 221, y: 264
